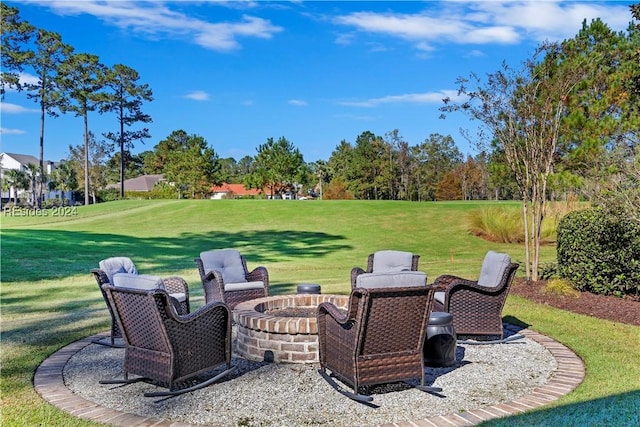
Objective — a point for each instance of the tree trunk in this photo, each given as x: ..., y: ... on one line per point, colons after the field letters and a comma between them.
x: 86, y: 159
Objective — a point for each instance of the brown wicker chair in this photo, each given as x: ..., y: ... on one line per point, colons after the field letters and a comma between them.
x: 388, y: 260
x: 378, y: 340
x: 168, y: 349
x: 176, y: 286
x: 225, y: 277
x: 476, y: 305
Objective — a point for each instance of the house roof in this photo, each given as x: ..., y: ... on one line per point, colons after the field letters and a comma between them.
x: 23, y: 159
x: 237, y: 189
x: 140, y: 183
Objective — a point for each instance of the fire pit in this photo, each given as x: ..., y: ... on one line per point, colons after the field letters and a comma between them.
x: 281, y: 328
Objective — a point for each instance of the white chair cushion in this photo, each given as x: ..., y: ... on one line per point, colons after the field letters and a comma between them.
x: 115, y: 265
x: 392, y: 261
x: 493, y: 268
x: 227, y: 262
x: 394, y: 279
x: 137, y: 281
x: 180, y: 297
x: 439, y: 296
x: 243, y: 286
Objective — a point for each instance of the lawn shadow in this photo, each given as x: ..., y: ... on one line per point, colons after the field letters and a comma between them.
x: 31, y: 255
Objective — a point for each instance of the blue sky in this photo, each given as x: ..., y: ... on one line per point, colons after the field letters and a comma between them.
x: 317, y: 73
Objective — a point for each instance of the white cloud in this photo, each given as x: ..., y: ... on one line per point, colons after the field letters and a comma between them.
x: 487, y: 22
x: 8, y: 108
x: 298, y: 102
x: 12, y: 131
x: 197, y: 95
x: 157, y: 19
x: 410, y: 98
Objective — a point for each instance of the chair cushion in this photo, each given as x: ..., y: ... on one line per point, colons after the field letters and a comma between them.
x: 115, y: 265
x: 180, y: 296
x: 137, y: 281
x: 243, y: 286
x: 227, y: 262
x: 392, y: 261
x: 439, y: 297
x: 395, y: 279
x: 493, y: 268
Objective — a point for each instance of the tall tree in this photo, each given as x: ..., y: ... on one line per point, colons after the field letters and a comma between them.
x: 15, y: 34
x: 16, y: 180
x: 64, y: 178
x: 279, y: 166
x: 125, y: 99
x: 46, y: 59
x: 521, y: 110
x: 82, y: 78
x: 191, y: 164
x: 436, y: 156
x: 89, y: 161
x: 367, y: 160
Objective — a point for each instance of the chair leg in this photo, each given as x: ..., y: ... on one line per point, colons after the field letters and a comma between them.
x: 499, y: 341
x: 429, y: 389
x: 111, y: 343
x: 198, y: 386
x: 124, y: 381
x: 354, y: 396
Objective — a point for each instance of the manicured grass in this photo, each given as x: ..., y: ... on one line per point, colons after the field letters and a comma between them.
x: 50, y: 299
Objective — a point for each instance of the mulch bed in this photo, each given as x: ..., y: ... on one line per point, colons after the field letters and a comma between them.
x: 622, y: 310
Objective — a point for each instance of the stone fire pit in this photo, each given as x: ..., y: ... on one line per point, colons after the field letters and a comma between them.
x: 281, y: 328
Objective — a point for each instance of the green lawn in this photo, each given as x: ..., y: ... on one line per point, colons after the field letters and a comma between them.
x: 50, y: 299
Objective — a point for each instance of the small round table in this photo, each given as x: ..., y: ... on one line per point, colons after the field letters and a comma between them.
x: 308, y: 288
x: 440, y: 344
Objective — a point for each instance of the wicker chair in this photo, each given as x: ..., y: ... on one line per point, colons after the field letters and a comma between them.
x: 476, y: 306
x: 379, y: 339
x: 225, y: 277
x: 389, y: 260
x: 175, y: 285
x: 168, y: 349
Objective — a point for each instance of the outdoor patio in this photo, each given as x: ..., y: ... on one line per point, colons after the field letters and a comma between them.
x: 488, y: 381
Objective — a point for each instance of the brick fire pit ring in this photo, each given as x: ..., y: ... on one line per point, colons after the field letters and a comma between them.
x: 281, y: 328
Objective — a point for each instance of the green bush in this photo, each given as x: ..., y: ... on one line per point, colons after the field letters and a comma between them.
x: 600, y: 252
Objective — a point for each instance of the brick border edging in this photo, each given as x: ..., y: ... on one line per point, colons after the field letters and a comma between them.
x: 49, y: 383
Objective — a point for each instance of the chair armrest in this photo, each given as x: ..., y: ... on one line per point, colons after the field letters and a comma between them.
x: 355, y: 272
x: 259, y: 274
x: 339, y: 315
x: 176, y: 285
x: 443, y: 282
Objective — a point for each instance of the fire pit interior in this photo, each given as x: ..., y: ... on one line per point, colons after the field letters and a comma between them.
x: 281, y: 328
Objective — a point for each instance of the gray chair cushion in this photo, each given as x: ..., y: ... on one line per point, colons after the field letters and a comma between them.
x: 243, y: 286
x: 392, y: 261
x: 115, y: 265
x: 137, y: 281
x: 395, y: 279
x: 493, y: 268
x: 439, y: 296
x: 227, y: 262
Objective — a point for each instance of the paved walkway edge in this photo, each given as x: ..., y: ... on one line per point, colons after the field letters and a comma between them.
x: 49, y: 383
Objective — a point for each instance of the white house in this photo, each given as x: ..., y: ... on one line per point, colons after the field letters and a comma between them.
x: 21, y: 162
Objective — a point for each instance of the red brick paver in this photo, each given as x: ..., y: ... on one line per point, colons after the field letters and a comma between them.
x: 49, y: 383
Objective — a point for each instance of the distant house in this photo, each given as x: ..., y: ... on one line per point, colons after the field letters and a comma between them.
x: 233, y: 190
x: 20, y: 162
x: 141, y: 183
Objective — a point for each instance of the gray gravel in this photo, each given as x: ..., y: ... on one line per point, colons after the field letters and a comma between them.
x: 274, y: 395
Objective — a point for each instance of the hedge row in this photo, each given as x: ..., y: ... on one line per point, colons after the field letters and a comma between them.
x: 599, y: 252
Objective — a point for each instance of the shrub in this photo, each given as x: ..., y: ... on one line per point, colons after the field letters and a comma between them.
x: 505, y: 225
x: 560, y: 287
x: 599, y: 252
